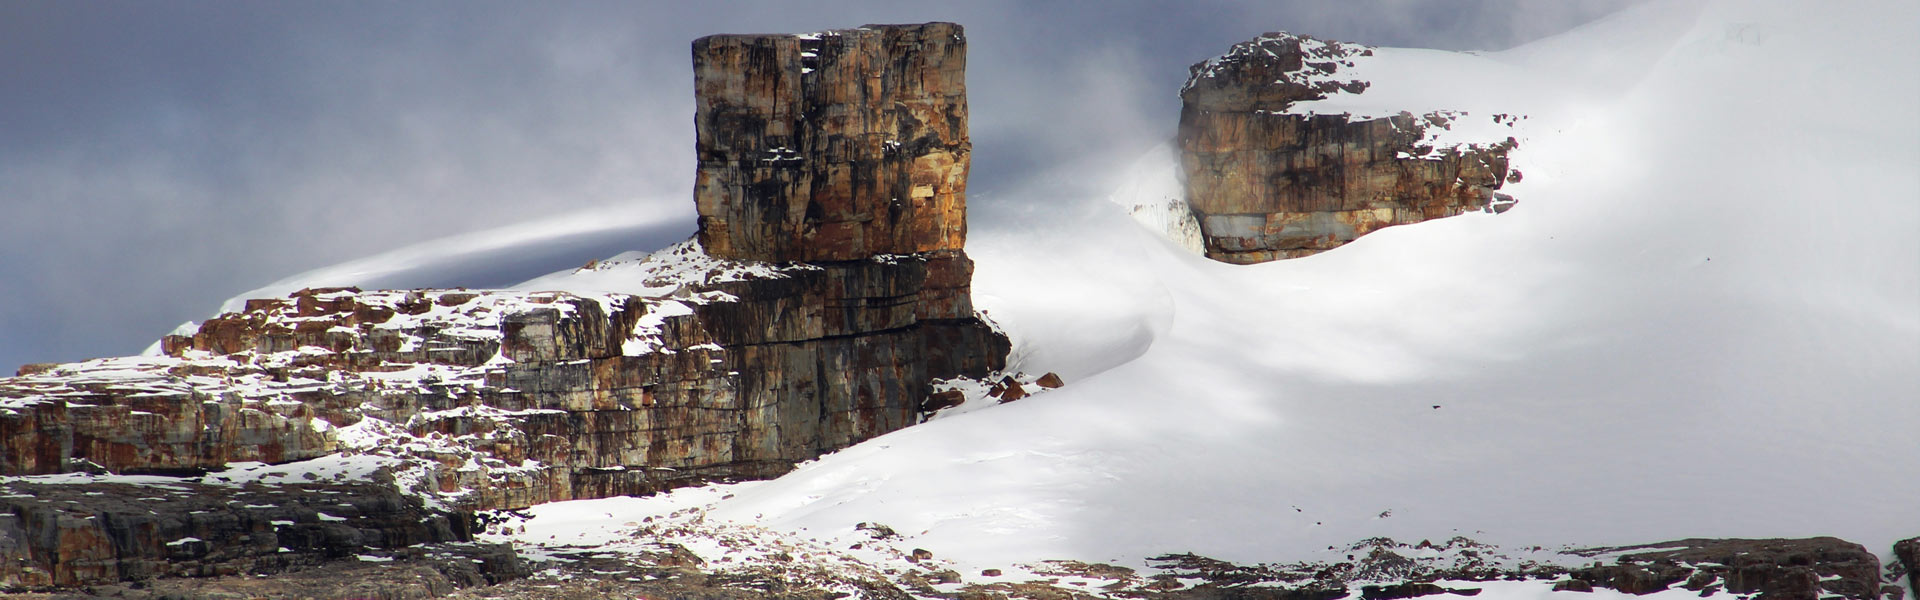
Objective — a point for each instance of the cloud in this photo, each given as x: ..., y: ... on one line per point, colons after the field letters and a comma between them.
x: 160, y: 158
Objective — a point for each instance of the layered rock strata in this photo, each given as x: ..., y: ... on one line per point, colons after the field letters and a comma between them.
x: 829, y: 296
x: 1806, y: 568
x: 499, y: 399
x: 128, y: 528
x: 1266, y: 181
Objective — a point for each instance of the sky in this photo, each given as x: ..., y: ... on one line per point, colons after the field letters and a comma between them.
x: 156, y: 159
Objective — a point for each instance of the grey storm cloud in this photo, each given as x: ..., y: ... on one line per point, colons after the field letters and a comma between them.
x: 156, y: 158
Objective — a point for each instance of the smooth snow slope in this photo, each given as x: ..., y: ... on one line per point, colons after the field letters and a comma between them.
x: 1703, y: 319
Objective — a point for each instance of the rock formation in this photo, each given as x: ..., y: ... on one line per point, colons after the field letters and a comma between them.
x: 1266, y: 182
x: 60, y: 534
x: 825, y: 295
x: 1808, y: 568
x: 1906, y: 554
x: 838, y: 145
x: 1383, y: 569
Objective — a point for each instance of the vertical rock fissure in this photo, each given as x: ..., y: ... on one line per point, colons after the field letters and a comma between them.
x: 833, y: 146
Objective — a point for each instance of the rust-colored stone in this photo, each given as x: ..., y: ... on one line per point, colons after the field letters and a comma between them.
x: 838, y: 145
x: 943, y: 400
x: 1265, y: 184
x: 35, y: 368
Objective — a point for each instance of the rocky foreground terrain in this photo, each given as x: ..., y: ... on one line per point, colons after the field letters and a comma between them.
x: 346, y: 443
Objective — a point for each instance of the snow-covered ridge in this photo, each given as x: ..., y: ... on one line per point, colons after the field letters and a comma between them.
x: 372, y: 374
x: 1319, y: 68
x: 417, y: 314
x: 383, y: 342
x: 672, y: 272
x: 472, y: 398
x: 1458, y: 131
x: 418, y: 338
x: 1365, y: 83
x: 495, y: 258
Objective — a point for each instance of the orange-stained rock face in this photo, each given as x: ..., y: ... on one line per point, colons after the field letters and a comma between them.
x: 1266, y: 184
x: 838, y: 145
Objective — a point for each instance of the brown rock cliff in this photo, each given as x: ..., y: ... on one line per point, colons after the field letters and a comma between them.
x: 838, y: 145
x: 1267, y: 184
x: 60, y: 535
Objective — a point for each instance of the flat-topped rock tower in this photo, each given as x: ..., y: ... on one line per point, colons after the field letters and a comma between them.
x: 837, y: 145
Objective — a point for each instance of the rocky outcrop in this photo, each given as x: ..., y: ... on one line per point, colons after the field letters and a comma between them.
x: 412, y: 573
x: 825, y: 296
x: 1267, y: 181
x: 1384, y: 569
x: 503, y: 398
x: 1796, y: 569
x: 93, y: 530
x: 1906, y: 554
x: 831, y: 146
x: 845, y: 150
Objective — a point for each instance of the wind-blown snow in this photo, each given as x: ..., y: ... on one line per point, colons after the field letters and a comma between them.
x: 673, y: 271
x: 492, y: 259
x: 1703, y: 320
x: 1157, y: 198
